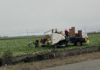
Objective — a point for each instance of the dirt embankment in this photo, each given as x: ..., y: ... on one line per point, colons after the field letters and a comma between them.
x: 53, y: 62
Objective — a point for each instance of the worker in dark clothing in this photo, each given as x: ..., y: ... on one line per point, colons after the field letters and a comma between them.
x: 66, y: 37
x: 36, y: 43
x: 43, y: 41
x: 66, y: 33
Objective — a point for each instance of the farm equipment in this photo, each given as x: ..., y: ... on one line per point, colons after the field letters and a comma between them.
x: 62, y: 39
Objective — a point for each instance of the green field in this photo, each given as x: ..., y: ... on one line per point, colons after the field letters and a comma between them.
x: 19, y: 45
x: 94, y: 39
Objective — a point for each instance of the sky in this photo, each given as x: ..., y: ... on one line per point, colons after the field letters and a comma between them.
x: 20, y: 17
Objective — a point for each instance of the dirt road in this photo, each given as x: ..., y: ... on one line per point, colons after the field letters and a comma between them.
x: 88, y: 65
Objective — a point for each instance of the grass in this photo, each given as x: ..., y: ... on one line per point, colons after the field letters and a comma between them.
x: 19, y: 45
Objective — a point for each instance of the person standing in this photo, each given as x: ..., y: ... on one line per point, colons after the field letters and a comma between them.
x: 66, y: 33
x: 66, y: 36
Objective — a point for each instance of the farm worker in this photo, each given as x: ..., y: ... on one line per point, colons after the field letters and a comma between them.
x: 36, y: 43
x: 66, y: 33
x: 43, y: 42
x: 66, y: 36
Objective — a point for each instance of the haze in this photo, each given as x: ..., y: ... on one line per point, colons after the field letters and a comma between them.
x: 19, y: 17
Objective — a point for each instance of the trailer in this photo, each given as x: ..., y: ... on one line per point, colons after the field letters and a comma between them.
x: 61, y: 39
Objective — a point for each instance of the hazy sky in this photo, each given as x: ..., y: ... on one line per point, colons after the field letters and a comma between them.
x: 18, y: 17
